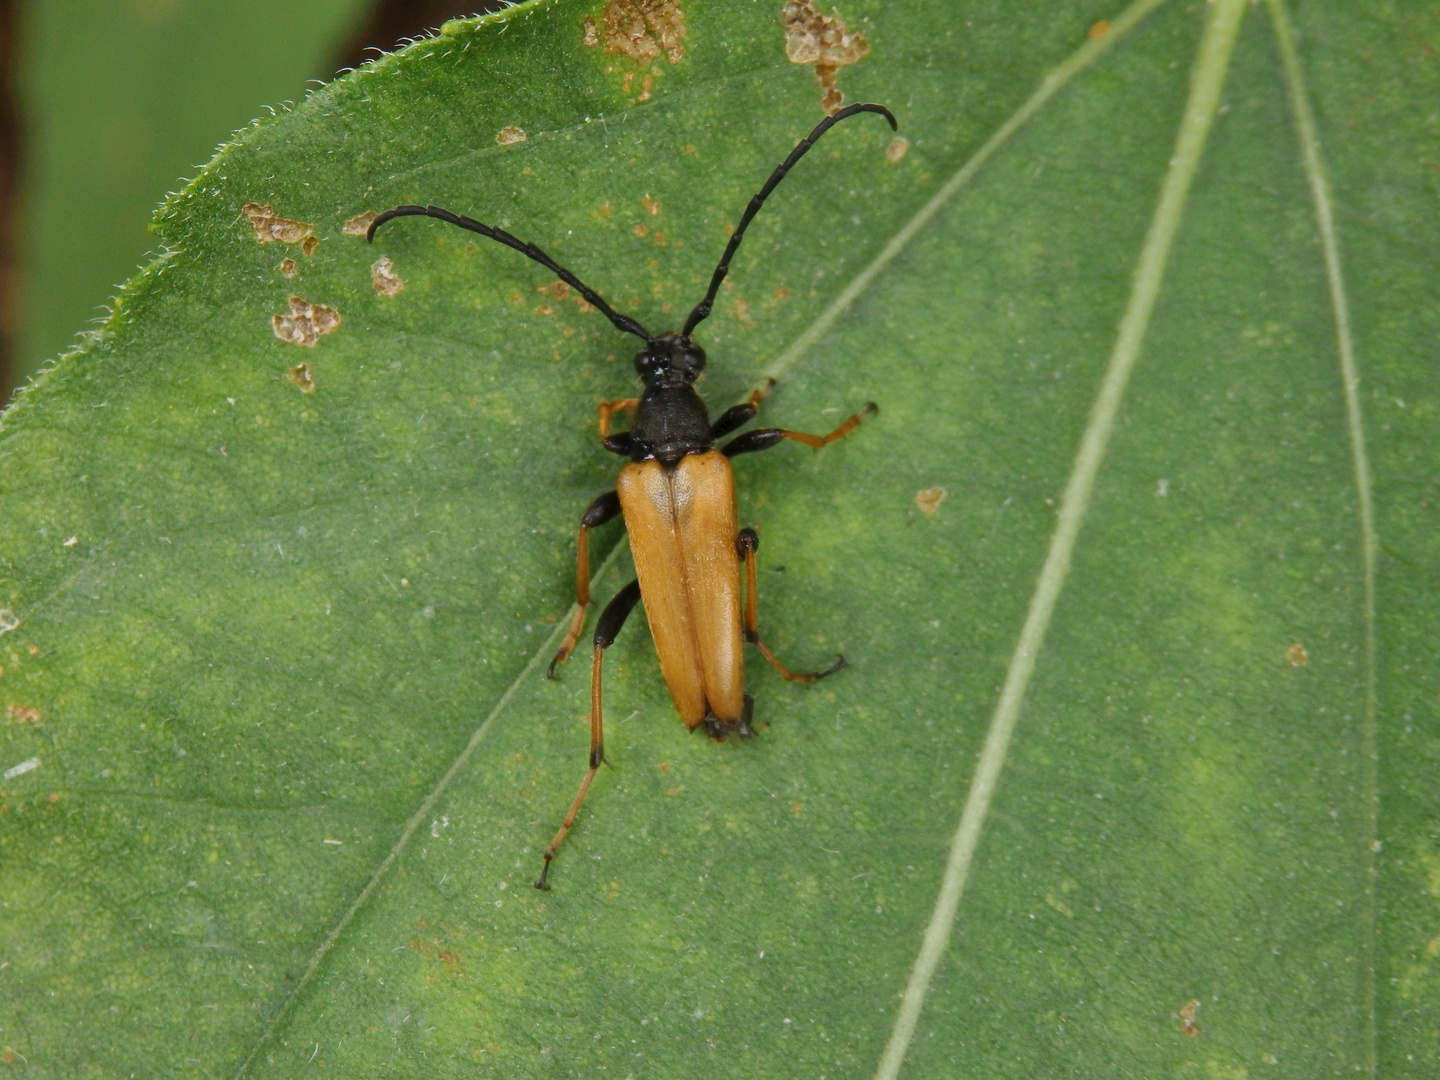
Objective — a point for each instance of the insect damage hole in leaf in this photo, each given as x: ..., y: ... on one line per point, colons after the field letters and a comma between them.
x: 359, y: 225
x: 270, y: 228
x: 305, y: 323
x: 641, y: 30
x: 384, y: 278
x: 824, y: 41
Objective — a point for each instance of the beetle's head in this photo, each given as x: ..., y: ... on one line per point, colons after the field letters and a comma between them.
x: 670, y: 360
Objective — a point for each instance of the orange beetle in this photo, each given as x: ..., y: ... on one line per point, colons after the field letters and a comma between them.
x: 677, y: 496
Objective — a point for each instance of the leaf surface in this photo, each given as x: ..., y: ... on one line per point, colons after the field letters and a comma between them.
x: 276, y: 665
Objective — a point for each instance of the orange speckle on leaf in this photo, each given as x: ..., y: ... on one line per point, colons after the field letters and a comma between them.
x: 1296, y: 656
x: 929, y: 499
x: 303, y: 377
x: 1098, y: 30
x: 1187, y: 1018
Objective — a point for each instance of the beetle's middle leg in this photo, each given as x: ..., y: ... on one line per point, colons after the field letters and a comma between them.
x: 611, y: 620
x: 603, y: 509
x: 746, y: 544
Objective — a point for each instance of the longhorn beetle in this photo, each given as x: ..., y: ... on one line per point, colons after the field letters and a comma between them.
x: 677, y: 496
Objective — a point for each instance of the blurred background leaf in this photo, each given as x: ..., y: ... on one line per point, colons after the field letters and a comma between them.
x: 105, y: 105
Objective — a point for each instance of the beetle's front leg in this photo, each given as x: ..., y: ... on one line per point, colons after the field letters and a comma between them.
x: 746, y: 544
x: 618, y: 443
x: 603, y: 509
x: 764, y: 438
x: 611, y: 620
x: 740, y: 415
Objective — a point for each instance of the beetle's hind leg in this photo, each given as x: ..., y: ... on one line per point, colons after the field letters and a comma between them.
x: 720, y: 731
x: 603, y: 509
x: 611, y: 620
x: 746, y: 545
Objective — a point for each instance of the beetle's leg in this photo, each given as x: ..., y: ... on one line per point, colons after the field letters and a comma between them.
x: 603, y: 509
x: 764, y: 438
x: 611, y: 620
x: 746, y: 544
x: 740, y: 415
x: 618, y: 443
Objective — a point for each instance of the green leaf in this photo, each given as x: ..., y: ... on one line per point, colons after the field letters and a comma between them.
x: 1132, y: 772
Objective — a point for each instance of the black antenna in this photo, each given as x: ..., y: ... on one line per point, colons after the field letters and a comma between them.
x: 702, y: 309
x: 622, y: 322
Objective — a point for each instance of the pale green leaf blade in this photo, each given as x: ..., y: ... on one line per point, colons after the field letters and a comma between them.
x: 295, y: 756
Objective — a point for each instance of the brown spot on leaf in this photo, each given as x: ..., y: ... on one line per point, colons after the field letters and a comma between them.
x: 384, y: 278
x: 640, y: 230
x: 300, y: 375
x: 510, y: 135
x: 22, y: 714
x: 592, y: 33
x: 305, y: 322
x: 641, y: 29
x: 269, y: 228
x: 309, y: 244
x: 359, y: 225
x: 1296, y: 656
x: 1098, y: 30
x: 821, y: 40
x: 287, y: 267
x: 897, y: 149
x: 929, y: 499
x: 651, y: 206
x: 1187, y: 1018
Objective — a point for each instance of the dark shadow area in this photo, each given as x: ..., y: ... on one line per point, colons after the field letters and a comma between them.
x: 10, y: 150
x: 393, y: 22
